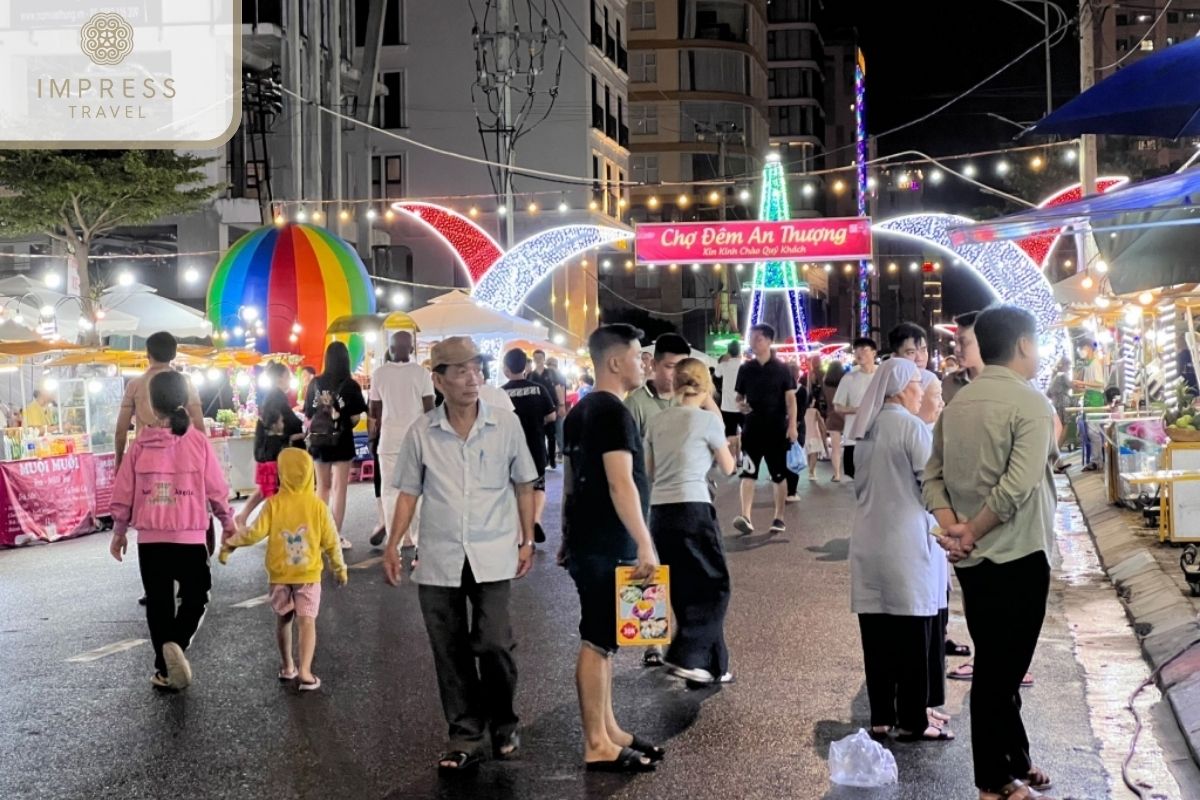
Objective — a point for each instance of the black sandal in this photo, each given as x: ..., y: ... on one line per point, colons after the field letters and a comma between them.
x: 652, y: 658
x: 629, y: 761
x: 953, y: 648
x: 650, y: 751
x: 378, y: 536
x: 512, y: 740
x: 943, y: 735
x: 459, y: 761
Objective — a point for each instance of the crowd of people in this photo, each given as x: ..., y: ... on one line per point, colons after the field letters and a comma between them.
x: 947, y: 470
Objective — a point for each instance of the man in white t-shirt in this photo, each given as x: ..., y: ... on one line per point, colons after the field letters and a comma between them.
x: 401, y: 391
x: 727, y: 372
x: 850, y: 393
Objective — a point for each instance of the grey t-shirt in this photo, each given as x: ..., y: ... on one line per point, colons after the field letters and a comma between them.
x: 681, y: 441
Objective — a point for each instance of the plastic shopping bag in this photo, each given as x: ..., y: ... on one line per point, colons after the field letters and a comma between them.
x: 859, y: 760
x: 797, y: 461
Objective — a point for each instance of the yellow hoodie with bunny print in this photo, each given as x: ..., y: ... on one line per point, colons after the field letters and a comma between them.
x: 296, y: 525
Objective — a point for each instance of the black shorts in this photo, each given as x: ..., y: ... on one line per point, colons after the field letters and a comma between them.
x: 595, y: 579
x: 540, y: 484
x: 771, y: 446
x: 733, y: 422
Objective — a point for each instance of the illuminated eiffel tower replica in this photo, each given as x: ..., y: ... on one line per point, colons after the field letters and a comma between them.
x: 774, y: 278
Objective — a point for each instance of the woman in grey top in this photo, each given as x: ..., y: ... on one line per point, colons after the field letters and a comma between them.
x: 897, y: 574
x: 681, y: 443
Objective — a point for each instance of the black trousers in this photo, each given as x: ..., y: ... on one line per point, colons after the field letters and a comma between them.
x: 1005, y: 605
x: 473, y: 655
x: 373, y: 446
x: 162, y: 566
x: 793, y: 482
x: 551, y: 444
x: 937, y: 660
x: 897, y: 666
x: 688, y: 540
x: 848, y: 460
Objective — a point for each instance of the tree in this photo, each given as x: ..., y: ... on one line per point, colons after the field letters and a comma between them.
x: 78, y: 196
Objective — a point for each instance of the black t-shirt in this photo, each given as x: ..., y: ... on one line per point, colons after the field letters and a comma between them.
x: 532, y: 402
x: 599, y: 424
x: 765, y: 387
x: 268, y: 446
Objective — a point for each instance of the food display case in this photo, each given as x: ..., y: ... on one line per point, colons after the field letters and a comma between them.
x: 90, y: 406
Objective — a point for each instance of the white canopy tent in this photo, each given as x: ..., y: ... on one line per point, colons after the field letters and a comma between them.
x: 703, y: 358
x: 30, y: 303
x: 155, y: 313
x: 456, y: 314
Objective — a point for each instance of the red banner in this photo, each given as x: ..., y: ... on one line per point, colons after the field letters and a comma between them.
x: 47, y: 498
x: 826, y: 239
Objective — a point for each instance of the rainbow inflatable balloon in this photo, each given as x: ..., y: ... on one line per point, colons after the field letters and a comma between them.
x: 289, y: 281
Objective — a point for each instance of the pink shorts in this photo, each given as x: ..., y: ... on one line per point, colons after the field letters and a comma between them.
x: 303, y: 598
x: 266, y: 478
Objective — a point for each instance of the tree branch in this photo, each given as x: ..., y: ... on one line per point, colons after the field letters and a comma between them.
x: 79, y: 216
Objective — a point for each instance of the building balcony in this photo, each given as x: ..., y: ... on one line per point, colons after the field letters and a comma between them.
x: 610, y: 48
x: 610, y: 129
x: 597, y: 36
x: 623, y: 136
x: 598, y: 118
x: 622, y: 58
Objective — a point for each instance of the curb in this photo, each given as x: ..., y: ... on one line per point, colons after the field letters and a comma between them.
x: 1163, y: 620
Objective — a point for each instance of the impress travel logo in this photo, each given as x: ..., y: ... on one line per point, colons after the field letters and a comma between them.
x: 161, y: 73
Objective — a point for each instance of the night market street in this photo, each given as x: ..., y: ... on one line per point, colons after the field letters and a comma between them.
x: 81, y: 721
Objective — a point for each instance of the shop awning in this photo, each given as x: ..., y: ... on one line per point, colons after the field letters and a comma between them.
x: 1155, y: 96
x: 363, y: 323
x: 1104, y: 213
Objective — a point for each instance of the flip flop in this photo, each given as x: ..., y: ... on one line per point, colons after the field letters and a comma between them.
x: 289, y: 676
x: 650, y: 751
x: 1038, y: 779
x: 458, y: 761
x: 943, y: 735
x: 629, y: 761
x: 953, y: 648
x: 307, y: 686
x: 512, y: 740
x: 963, y: 672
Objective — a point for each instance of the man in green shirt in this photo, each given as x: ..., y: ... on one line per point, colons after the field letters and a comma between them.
x: 989, y: 484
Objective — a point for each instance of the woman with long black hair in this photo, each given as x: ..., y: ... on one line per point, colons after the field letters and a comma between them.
x: 333, y: 405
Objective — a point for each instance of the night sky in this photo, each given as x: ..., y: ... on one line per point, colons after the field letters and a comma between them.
x: 919, y: 55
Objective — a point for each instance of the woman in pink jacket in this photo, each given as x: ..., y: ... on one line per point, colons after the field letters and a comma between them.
x: 164, y: 488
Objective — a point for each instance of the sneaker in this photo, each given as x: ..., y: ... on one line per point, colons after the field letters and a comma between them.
x: 378, y: 536
x: 159, y: 682
x: 777, y: 526
x: 727, y: 678
x: 702, y: 676
x: 179, y: 671
x: 793, y: 498
x: 539, y: 534
x: 346, y: 544
x: 743, y: 525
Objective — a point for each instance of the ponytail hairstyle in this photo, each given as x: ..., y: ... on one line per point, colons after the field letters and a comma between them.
x: 692, y: 378
x: 169, y: 398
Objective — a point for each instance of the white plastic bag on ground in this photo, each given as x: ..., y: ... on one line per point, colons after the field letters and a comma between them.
x: 859, y: 760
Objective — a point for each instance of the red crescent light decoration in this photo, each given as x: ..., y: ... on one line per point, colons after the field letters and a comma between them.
x: 820, y: 334
x: 474, y: 247
x: 1040, y: 247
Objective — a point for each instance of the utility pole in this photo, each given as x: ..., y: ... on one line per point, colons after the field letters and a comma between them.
x: 1046, y: 45
x: 1085, y: 243
x: 503, y: 56
x: 722, y: 133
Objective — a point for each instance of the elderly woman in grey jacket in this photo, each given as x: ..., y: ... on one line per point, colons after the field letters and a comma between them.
x: 897, y: 569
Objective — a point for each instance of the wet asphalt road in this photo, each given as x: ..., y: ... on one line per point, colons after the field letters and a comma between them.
x: 95, y: 729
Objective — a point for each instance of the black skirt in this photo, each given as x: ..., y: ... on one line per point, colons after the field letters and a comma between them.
x: 688, y: 540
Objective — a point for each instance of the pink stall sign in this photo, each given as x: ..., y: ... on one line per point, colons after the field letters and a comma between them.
x: 47, y: 499
x: 827, y: 239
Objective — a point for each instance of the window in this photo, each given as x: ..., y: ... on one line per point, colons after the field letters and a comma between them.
x: 793, y: 45
x: 1191, y: 16
x: 1147, y: 44
x: 644, y: 119
x: 645, y: 279
x: 645, y: 168
x: 789, y: 11
x: 793, y: 121
x: 393, y: 23
x: 717, y: 19
x: 1122, y: 19
x: 791, y: 82
x: 714, y: 71
x: 1172, y: 17
x: 643, y: 68
x: 1123, y: 44
x: 387, y: 177
x: 641, y: 15
x: 391, y: 105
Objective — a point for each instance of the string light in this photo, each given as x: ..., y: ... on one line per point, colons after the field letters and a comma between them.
x: 317, y: 215
x: 744, y: 195
x: 280, y: 219
x: 620, y: 202
x: 829, y: 268
x: 1101, y: 267
x: 652, y: 202
x: 190, y: 275
x: 1070, y: 155
x: 969, y: 171
x: 1087, y: 282
x: 714, y: 197
x: 777, y: 276
x: 739, y: 267
x: 913, y: 266
x: 563, y: 207
x: 475, y: 248
x: 593, y: 205
x: 389, y: 215
x: 343, y: 215
x: 514, y: 275
x: 674, y: 267
x: 807, y: 190
x: 628, y: 263
x: 1146, y: 298
x: 372, y: 213
x: 892, y: 267
x: 695, y: 267
x: 839, y: 186
x: 683, y: 200
x: 1002, y: 167
x: 1010, y: 273
x: 301, y: 216
x: 473, y: 212
x: 1103, y: 302
x: 532, y: 208
x: 935, y: 176
x: 848, y: 269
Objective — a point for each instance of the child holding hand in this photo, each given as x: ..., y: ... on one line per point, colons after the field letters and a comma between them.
x: 297, y: 527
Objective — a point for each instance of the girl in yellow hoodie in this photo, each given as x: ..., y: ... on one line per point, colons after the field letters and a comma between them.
x: 297, y: 527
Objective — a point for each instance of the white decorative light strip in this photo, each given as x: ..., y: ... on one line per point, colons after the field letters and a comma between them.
x: 521, y: 269
x: 1011, y: 274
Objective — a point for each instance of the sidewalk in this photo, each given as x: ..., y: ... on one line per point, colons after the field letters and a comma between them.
x: 1151, y: 588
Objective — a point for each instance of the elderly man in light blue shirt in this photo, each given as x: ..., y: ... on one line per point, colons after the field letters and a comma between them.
x: 469, y: 464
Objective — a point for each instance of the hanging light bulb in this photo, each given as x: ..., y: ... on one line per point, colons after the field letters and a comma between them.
x: 1146, y: 298
x: 1036, y: 162
x: 839, y: 186
x: 502, y: 210
x: 372, y: 213
x: 472, y: 212
x: 1101, y: 267
x: 744, y: 195
x: 714, y: 197
x: 1133, y: 316
x: 389, y: 215
x: 532, y: 208
x: 1103, y: 302
x: 683, y: 200
x: 301, y: 216
x: 652, y: 201
x: 563, y: 207
x: 343, y: 215
x: 1087, y: 282
x: 280, y: 219
x: 969, y: 171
